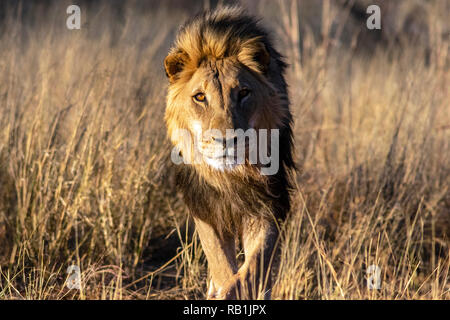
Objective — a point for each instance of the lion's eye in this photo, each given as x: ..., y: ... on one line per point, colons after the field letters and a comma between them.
x: 243, y: 93
x: 200, y: 97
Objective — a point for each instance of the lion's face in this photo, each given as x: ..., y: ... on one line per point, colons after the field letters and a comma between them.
x: 212, y: 103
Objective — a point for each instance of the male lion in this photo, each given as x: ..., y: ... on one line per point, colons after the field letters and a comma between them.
x: 225, y: 74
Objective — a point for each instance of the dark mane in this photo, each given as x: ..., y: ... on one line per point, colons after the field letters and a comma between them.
x: 223, y: 33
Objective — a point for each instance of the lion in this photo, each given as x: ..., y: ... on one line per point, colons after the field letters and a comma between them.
x: 225, y: 74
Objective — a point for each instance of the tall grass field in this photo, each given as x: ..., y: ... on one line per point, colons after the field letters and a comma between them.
x: 86, y: 179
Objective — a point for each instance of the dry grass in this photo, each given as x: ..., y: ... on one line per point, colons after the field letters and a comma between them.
x: 85, y: 178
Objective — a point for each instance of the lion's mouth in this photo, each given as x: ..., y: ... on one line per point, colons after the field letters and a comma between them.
x: 221, y: 163
x: 225, y: 158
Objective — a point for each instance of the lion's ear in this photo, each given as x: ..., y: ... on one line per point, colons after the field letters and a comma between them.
x: 262, y: 57
x: 174, y: 64
x: 255, y: 56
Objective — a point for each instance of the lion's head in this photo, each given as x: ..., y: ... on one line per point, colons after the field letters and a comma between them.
x: 224, y: 75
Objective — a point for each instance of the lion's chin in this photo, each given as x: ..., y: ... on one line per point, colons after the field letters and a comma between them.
x: 221, y: 164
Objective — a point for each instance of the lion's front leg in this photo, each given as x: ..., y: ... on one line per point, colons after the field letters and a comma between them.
x: 253, y: 279
x: 220, y: 251
x: 259, y: 239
